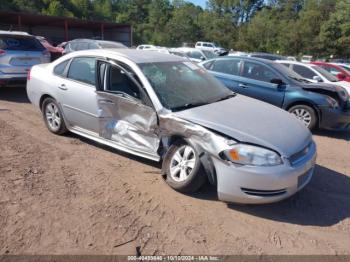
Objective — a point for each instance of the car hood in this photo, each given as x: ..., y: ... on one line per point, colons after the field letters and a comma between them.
x: 251, y: 121
x: 334, y: 90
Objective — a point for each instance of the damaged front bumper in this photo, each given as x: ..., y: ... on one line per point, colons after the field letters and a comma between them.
x: 335, y: 118
x: 259, y: 185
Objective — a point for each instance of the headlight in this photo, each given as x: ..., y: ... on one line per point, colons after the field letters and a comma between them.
x: 252, y: 155
x: 332, y: 102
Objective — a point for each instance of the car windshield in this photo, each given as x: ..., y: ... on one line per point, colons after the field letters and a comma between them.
x: 209, y: 54
x: 289, y: 73
x: 325, y: 74
x: 182, y: 85
x: 20, y: 43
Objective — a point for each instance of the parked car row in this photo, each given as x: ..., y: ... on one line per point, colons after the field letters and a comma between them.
x: 240, y: 122
x: 315, y: 104
x: 19, y: 51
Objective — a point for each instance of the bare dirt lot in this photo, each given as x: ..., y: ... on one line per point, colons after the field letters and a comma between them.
x: 66, y: 195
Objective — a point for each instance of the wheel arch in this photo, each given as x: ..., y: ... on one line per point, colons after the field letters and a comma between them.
x: 42, y: 99
x: 204, y: 156
x: 306, y: 103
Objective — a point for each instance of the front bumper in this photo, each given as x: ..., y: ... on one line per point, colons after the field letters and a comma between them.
x: 260, y: 185
x: 335, y: 118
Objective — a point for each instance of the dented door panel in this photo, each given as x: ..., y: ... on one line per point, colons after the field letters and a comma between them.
x: 128, y: 123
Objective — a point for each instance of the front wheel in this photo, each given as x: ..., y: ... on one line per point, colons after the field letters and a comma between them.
x: 53, y: 117
x: 305, y: 114
x: 182, y: 168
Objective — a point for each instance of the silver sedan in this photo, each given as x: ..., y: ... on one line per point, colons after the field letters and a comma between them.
x: 165, y: 108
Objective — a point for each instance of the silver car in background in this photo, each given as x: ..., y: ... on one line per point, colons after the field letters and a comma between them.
x: 19, y: 51
x: 85, y: 44
x: 165, y: 108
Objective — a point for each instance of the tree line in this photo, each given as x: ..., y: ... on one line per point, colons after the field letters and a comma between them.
x: 290, y: 27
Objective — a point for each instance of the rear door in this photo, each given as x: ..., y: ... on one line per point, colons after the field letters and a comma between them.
x: 77, y: 94
x: 127, y: 115
x: 256, y: 82
x: 227, y: 71
x: 19, y: 53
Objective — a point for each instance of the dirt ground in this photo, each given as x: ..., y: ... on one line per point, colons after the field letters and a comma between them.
x: 67, y: 195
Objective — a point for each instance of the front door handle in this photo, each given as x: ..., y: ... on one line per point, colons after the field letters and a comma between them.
x: 243, y: 86
x: 62, y: 87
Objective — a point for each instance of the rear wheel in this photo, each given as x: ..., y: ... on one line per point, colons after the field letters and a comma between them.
x: 305, y: 114
x: 183, y: 169
x: 53, y: 117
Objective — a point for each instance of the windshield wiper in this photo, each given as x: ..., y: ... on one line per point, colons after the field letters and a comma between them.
x: 188, y: 105
x: 300, y: 79
x: 225, y: 97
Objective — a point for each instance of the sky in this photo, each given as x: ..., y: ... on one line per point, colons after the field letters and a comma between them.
x: 198, y: 2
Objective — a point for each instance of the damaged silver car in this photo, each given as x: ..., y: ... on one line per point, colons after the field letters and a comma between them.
x: 165, y: 108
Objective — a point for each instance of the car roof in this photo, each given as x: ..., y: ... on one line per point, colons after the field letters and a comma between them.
x: 253, y: 59
x: 137, y: 56
x: 295, y: 63
x: 3, y: 32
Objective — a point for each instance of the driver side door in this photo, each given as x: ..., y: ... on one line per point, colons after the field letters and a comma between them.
x: 127, y: 117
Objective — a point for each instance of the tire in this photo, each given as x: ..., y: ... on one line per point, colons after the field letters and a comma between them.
x: 187, y: 176
x: 305, y: 114
x: 53, y: 117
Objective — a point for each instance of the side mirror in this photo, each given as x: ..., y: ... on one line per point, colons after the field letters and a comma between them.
x: 202, y: 58
x: 317, y: 78
x: 277, y: 82
x: 341, y: 76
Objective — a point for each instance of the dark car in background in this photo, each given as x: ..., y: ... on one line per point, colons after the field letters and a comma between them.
x: 315, y: 104
x: 85, y: 44
x: 267, y: 56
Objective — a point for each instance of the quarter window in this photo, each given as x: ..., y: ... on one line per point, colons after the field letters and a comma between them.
x: 258, y: 72
x: 304, y: 71
x: 59, y: 69
x: 82, y: 69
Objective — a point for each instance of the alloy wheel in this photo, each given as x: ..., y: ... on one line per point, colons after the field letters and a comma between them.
x: 53, y: 117
x: 182, y: 163
x: 303, y: 115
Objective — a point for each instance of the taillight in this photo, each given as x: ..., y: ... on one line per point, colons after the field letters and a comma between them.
x: 28, y: 75
x: 2, y: 52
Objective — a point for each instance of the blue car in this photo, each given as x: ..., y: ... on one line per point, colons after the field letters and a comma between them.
x: 317, y: 105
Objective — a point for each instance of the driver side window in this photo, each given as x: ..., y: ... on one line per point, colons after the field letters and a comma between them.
x: 119, y: 82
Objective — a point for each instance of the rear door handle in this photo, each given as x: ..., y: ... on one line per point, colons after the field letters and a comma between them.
x: 243, y: 86
x: 108, y: 102
x: 62, y: 87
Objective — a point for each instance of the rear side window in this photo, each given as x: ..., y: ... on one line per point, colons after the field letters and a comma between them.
x: 258, y: 72
x: 82, y: 69
x: 59, y: 69
x: 304, y: 71
x: 227, y: 66
x: 20, y: 43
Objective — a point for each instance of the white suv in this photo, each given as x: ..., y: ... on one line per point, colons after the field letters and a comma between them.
x: 210, y: 47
